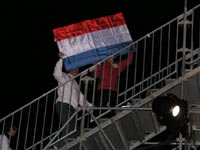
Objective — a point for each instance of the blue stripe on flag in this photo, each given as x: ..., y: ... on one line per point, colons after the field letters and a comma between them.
x: 88, y: 57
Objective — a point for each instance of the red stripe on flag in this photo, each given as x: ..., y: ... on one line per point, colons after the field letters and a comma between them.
x: 86, y: 26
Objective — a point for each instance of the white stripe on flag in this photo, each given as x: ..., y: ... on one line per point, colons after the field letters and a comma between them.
x: 94, y: 40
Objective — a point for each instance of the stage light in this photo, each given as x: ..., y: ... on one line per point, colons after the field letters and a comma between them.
x: 175, y: 110
x: 171, y: 111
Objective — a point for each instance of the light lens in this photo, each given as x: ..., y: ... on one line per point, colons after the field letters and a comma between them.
x: 175, y: 111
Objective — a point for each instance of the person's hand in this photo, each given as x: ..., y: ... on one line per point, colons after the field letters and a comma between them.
x: 61, y: 54
x: 94, y: 63
x: 88, y: 105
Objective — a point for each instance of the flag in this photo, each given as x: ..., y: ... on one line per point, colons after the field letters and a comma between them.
x: 92, y: 40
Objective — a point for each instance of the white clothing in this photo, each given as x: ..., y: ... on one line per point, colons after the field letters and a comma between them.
x: 71, y: 94
x: 4, y: 143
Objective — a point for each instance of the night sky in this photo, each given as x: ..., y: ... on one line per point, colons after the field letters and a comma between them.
x: 28, y: 50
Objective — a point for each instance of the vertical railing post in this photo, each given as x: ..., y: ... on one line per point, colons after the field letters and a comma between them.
x: 185, y: 22
x: 86, y: 80
x: 184, y: 46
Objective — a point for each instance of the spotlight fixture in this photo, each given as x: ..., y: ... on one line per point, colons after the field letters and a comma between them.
x: 171, y: 111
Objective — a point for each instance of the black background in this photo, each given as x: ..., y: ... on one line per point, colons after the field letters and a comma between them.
x: 28, y: 50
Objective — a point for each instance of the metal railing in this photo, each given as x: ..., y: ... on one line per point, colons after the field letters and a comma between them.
x: 158, y: 56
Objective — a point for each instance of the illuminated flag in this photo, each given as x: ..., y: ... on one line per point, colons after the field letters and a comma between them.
x: 92, y: 40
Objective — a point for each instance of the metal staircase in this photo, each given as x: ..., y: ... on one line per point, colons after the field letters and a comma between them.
x: 166, y: 60
x: 137, y: 125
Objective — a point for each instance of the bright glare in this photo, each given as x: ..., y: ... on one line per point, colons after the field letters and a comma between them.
x: 175, y: 111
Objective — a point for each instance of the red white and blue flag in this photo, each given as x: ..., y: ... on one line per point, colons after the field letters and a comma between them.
x: 92, y: 40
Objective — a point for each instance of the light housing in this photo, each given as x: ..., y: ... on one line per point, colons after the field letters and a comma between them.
x: 171, y: 111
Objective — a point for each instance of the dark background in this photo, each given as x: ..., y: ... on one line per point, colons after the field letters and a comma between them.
x: 28, y: 50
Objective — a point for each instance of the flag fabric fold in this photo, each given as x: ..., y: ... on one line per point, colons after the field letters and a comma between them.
x: 92, y: 40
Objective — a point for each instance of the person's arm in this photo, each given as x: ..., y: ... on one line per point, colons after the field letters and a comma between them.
x: 58, y: 74
x: 124, y: 63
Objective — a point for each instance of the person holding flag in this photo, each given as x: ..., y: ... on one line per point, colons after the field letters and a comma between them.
x: 107, y: 77
x: 69, y: 99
